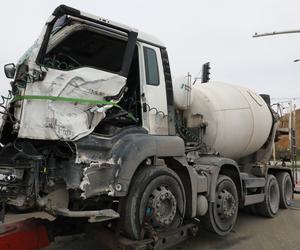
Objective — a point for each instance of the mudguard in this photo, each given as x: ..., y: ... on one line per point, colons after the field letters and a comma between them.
x: 110, y: 162
x: 212, y: 166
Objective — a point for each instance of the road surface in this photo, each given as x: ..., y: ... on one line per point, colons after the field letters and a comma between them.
x: 250, y: 232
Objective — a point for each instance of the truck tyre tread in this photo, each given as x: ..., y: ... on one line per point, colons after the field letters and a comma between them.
x: 210, y: 220
x: 269, y: 207
x: 285, y: 189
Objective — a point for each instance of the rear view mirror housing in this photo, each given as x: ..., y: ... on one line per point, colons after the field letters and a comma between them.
x: 10, y: 70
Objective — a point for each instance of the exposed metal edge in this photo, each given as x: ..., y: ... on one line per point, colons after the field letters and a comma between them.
x: 94, y: 215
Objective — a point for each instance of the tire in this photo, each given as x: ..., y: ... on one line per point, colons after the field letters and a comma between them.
x: 270, y: 206
x: 221, y: 215
x: 153, y: 186
x: 285, y: 189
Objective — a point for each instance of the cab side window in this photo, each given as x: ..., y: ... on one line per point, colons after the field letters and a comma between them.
x: 151, y: 67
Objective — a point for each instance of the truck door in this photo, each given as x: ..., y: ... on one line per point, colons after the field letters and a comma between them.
x: 153, y: 88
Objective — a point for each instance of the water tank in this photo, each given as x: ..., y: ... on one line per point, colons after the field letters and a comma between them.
x: 239, y: 120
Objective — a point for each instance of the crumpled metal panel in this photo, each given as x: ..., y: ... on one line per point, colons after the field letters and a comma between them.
x: 57, y: 120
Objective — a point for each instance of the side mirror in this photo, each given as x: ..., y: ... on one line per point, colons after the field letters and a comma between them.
x: 10, y: 70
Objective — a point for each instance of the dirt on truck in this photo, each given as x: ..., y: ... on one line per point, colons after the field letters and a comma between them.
x: 96, y: 129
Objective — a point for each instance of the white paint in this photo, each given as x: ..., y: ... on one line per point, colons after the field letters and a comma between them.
x: 84, y: 183
x: 55, y: 120
x: 155, y: 120
x: 182, y: 92
x: 239, y: 121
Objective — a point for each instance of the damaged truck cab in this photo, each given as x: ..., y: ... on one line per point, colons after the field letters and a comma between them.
x: 89, y: 100
x: 91, y: 130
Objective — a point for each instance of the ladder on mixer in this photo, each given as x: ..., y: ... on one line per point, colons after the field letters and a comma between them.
x: 292, y: 138
x: 290, y: 131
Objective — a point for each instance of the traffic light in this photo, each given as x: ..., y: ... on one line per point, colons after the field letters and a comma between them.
x: 205, y: 72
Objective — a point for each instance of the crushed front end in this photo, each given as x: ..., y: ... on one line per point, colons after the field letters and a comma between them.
x: 60, y: 122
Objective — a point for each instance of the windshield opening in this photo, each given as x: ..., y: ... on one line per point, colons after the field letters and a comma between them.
x: 86, y: 48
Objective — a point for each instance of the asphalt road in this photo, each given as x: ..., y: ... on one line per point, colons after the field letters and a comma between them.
x: 250, y: 232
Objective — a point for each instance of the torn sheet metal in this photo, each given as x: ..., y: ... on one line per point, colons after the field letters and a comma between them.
x: 57, y: 120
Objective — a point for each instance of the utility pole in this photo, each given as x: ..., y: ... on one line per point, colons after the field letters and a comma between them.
x: 275, y: 33
x: 292, y: 114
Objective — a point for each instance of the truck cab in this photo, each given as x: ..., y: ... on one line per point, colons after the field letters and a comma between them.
x: 75, y: 51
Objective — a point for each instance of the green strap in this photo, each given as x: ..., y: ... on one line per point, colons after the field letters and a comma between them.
x: 65, y: 99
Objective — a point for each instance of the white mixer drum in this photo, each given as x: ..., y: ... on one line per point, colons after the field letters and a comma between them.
x: 182, y: 92
x: 239, y: 121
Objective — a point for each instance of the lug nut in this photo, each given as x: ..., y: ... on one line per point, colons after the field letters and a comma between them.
x: 118, y: 187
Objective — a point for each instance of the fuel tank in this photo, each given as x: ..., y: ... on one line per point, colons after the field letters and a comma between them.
x: 239, y: 120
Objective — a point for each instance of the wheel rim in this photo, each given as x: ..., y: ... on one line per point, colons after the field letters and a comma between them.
x: 288, y: 190
x: 274, y: 197
x: 161, y: 207
x: 225, y: 209
x: 148, y: 186
x: 226, y: 205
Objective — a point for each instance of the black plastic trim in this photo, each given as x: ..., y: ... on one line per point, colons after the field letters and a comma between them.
x: 129, y: 52
x: 169, y: 91
x: 63, y: 9
x: 43, y: 49
x: 66, y: 10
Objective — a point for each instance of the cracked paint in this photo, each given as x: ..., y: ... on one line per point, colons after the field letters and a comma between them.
x: 84, y: 183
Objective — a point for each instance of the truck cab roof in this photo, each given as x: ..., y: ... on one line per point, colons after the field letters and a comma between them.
x: 142, y: 36
x: 148, y: 38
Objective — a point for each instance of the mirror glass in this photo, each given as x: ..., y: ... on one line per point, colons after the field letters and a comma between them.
x: 10, y: 70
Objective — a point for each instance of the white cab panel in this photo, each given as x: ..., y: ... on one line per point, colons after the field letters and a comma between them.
x: 155, y: 118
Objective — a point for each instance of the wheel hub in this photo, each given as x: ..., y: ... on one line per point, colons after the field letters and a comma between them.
x: 162, y: 204
x: 226, y: 204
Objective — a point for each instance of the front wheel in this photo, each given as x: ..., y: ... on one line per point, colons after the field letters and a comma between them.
x: 221, y: 215
x: 156, y: 200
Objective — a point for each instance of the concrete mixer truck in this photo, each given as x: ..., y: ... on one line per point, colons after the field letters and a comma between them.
x: 94, y: 128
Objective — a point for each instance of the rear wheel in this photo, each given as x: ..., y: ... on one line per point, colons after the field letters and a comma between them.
x: 156, y: 200
x: 221, y: 215
x: 285, y: 189
x: 269, y: 207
